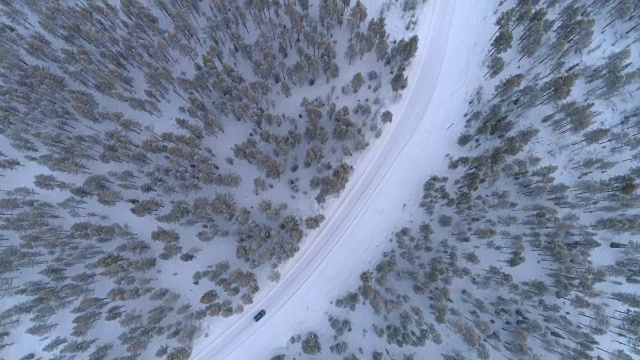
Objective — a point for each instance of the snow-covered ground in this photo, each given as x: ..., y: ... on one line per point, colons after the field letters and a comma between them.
x: 386, y: 184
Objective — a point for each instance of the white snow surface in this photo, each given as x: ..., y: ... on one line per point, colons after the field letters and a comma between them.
x: 387, y: 178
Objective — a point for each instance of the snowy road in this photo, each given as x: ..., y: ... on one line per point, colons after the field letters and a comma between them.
x: 388, y: 176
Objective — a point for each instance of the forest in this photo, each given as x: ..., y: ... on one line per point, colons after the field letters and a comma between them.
x: 161, y: 159
x: 527, y: 245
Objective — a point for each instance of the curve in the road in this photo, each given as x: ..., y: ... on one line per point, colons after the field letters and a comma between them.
x: 369, y: 175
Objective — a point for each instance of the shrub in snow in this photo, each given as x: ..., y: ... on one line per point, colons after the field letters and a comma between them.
x: 339, y: 325
x: 348, y: 301
x: 339, y: 347
x: 179, y: 353
x: 311, y: 344
x: 445, y: 220
x: 313, y: 222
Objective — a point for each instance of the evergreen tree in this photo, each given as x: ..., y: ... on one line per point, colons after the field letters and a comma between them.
x: 357, y: 81
x: 399, y: 81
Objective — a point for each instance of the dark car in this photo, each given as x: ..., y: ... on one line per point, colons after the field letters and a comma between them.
x: 259, y: 315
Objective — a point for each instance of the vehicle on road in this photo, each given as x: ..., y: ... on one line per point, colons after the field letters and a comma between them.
x: 259, y: 315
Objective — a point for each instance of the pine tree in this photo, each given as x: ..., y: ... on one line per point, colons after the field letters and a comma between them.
x: 356, y: 82
x: 501, y: 43
x: 496, y: 65
x: 311, y: 344
x: 399, y: 81
x: 351, y: 52
x: 386, y: 117
x: 357, y: 16
x: 164, y: 235
x: 624, y: 223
